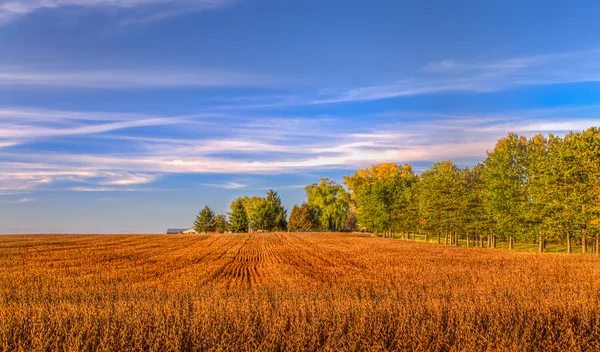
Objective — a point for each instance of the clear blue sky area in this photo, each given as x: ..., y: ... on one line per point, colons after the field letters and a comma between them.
x: 129, y: 116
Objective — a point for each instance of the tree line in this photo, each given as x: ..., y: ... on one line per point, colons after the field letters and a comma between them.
x: 327, y: 209
x: 530, y: 190
x: 247, y: 214
x: 539, y: 189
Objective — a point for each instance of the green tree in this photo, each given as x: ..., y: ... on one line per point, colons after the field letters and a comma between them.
x: 261, y: 215
x: 383, y: 198
x: 540, y: 210
x: 474, y: 215
x: 205, y: 220
x: 506, y: 193
x: 588, y: 148
x: 220, y: 224
x: 440, y: 199
x: 279, y: 214
x: 331, y: 202
x: 238, y: 217
x: 303, y: 218
x: 569, y: 181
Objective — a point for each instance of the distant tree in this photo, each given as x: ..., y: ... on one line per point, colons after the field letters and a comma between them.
x: 238, y: 217
x: 220, y: 224
x: 205, y: 220
x: 303, y: 218
x: 505, y: 178
x: 569, y: 180
x: 540, y: 206
x: 262, y: 215
x: 279, y: 214
x: 381, y: 195
x: 589, y: 153
x: 473, y: 213
x: 331, y: 201
x: 440, y: 199
x: 351, y: 223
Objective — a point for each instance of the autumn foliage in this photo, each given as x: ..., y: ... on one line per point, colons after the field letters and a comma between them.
x: 538, y: 189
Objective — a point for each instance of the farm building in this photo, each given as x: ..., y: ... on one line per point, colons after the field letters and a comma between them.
x: 190, y: 230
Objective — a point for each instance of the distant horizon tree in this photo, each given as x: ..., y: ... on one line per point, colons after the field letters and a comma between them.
x: 205, y: 220
x: 303, y: 218
x: 220, y: 223
x: 238, y: 217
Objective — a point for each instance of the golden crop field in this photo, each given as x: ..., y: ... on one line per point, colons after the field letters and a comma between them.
x: 292, y: 292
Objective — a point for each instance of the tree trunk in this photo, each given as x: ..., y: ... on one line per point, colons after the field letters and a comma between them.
x: 583, y: 244
x: 468, y: 240
x: 446, y: 239
x: 568, y: 243
x: 456, y: 239
x: 541, y: 244
x: 510, y: 243
x: 426, y: 237
x: 481, y: 240
x: 493, y: 241
x: 597, y: 245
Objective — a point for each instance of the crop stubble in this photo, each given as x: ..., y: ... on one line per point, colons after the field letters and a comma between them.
x: 289, y: 291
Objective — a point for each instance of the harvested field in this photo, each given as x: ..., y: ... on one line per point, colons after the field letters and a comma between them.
x: 287, y: 291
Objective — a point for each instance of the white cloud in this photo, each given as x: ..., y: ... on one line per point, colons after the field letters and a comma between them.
x: 226, y: 185
x: 18, y: 201
x: 144, y: 10
x: 274, y: 145
x: 123, y: 179
x: 450, y: 75
x: 128, y: 78
x: 100, y: 189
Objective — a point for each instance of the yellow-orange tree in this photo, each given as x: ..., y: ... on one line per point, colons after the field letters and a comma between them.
x: 381, y: 196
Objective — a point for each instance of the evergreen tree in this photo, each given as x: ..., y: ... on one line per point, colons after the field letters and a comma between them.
x: 262, y: 215
x: 205, y: 220
x: 279, y: 214
x: 238, y: 217
x: 220, y: 224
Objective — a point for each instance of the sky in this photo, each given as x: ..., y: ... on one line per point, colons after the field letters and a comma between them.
x: 128, y: 116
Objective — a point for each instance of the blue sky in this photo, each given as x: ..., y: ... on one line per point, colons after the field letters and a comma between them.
x: 130, y: 115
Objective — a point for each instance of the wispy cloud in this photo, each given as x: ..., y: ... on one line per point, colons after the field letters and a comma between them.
x: 19, y: 200
x: 450, y: 75
x: 22, y: 126
x: 100, y: 189
x: 125, y: 179
x: 225, y: 185
x: 129, y: 78
x: 278, y: 145
x: 136, y: 10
